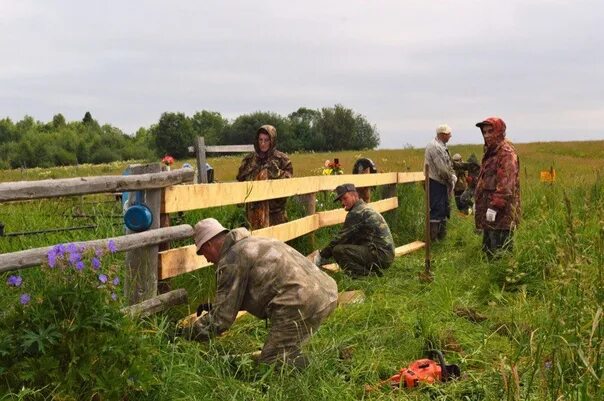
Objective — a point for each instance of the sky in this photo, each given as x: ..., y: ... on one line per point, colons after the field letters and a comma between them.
x: 407, y: 66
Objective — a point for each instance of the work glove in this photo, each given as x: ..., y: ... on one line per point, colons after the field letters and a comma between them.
x: 203, y: 308
x: 453, y: 180
x: 491, y: 214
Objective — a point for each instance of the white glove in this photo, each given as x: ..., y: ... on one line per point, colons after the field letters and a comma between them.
x: 491, y: 214
x: 453, y: 180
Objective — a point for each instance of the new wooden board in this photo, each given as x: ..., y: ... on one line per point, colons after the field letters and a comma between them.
x: 408, y: 248
x: 200, y: 196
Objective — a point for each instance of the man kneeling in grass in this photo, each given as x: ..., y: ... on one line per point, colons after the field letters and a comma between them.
x: 268, y: 279
x: 364, y: 245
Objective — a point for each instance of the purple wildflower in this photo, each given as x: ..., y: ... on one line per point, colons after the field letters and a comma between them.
x: 14, y: 281
x: 111, y: 246
x: 96, y: 263
x: 103, y: 278
x: 116, y: 281
x: 24, y: 299
x: 59, y: 250
x: 52, y: 258
x: 114, y: 296
x: 74, y: 258
x: 79, y: 265
x: 72, y: 248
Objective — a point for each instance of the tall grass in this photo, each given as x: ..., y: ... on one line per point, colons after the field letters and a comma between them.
x: 525, y: 327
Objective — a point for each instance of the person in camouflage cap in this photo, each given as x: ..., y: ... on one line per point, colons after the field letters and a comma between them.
x: 498, y: 188
x: 364, y: 245
x: 266, y: 163
x: 268, y: 279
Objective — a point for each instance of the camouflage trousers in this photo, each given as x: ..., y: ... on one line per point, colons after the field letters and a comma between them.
x: 359, y: 260
x: 288, y: 333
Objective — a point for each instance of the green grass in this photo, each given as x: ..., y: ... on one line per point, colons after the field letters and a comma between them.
x: 542, y: 338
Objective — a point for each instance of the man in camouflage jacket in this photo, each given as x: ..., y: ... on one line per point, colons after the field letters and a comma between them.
x: 270, y: 280
x: 364, y: 245
x: 498, y: 188
x: 276, y: 165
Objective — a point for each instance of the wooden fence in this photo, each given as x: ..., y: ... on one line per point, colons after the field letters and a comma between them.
x: 151, y: 265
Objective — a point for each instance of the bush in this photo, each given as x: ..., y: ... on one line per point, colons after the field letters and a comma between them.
x: 65, y: 336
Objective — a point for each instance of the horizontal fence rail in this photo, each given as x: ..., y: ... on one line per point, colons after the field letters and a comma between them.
x: 198, y: 196
x: 37, y: 256
x: 26, y: 190
x: 185, y: 259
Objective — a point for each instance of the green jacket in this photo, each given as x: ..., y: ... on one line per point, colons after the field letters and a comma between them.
x: 364, y: 226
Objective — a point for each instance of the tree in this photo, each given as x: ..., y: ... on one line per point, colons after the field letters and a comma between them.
x: 173, y: 135
x: 58, y: 121
x: 343, y: 129
x: 210, y: 125
x: 87, y: 118
x: 303, y: 126
x: 243, y: 130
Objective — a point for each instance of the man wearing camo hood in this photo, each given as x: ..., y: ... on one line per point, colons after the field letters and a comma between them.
x: 268, y: 279
x: 266, y: 163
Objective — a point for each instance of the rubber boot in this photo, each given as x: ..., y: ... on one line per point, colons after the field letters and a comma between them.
x: 442, y: 230
x: 434, y: 228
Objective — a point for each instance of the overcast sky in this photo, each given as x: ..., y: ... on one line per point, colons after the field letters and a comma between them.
x: 407, y: 66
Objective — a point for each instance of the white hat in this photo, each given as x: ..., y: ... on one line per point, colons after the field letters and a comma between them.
x: 205, y: 230
x: 443, y: 129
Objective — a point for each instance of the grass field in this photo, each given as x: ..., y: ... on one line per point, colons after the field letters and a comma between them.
x: 525, y: 327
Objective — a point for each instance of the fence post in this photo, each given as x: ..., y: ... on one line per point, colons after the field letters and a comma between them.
x: 427, y: 262
x: 140, y: 282
x: 200, y: 147
x: 309, y: 203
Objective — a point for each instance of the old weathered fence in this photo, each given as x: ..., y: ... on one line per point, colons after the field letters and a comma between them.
x: 145, y: 264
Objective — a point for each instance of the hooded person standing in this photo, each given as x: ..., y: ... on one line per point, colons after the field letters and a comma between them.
x: 497, y: 191
x: 266, y: 163
x: 268, y: 279
x: 442, y: 181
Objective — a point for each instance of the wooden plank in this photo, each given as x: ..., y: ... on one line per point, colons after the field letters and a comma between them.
x: 230, y: 149
x: 351, y: 297
x: 415, y: 176
x: 184, y: 259
x: 179, y: 261
x: 187, y: 321
x: 331, y: 267
x: 408, y: 248
x: 332, y: 217
x: 200, y: 196
x: 25, y: 190
x: 157, y: 304
x: 37, y: 256
x: 202, y: 172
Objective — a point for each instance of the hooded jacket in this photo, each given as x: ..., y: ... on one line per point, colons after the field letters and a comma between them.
x: 498, y: 185
x: 276, y: 163
x: 267, y: 278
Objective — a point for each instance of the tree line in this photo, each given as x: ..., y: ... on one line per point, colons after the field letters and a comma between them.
x: 29, y: 143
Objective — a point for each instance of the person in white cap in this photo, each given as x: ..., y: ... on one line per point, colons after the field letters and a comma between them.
x: 442, y: 181
x: 268, y: 279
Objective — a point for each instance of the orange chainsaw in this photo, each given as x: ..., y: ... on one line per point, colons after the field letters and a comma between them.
x: 421, y: 371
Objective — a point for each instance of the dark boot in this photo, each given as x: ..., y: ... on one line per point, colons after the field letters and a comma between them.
x: 442, y: 230
x: 434, y: 228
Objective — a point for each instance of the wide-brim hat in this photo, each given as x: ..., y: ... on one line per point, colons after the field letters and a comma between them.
x: 205, y: 230
x: 342, y: 189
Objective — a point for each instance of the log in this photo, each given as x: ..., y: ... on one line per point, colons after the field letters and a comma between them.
x: 25, y: 190
x: 230, y: 149
x: 157, y: 304
x: 37, y: 256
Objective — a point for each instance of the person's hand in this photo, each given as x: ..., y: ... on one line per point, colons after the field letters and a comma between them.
x: 203, y: 308
x: 316, y: 258
x: 491, y: 214
x: 453, y: 180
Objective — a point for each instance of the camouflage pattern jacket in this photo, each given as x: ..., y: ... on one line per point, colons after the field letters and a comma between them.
x: 498, y: 187
x: 364, y: 226
x: 267, y: 278
x: 276, y: 163
x: 438, y: 159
